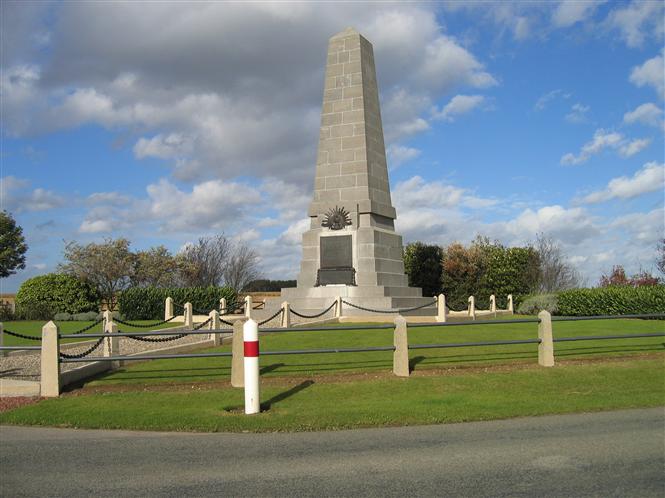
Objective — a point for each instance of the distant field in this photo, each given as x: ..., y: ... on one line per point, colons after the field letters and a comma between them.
x: 218, y: 369
x: 34, y: 328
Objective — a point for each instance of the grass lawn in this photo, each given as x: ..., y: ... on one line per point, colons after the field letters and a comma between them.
x: 301, y: 404
x: 219, y: 369
x: 34, y: 328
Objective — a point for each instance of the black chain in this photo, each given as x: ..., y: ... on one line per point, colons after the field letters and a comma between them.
x: 29, y: 337
x: 201, y: 325
x: 458, y: 311
x: 85, y: 329
x: 313, y: 316
x: 84, y: 353
x: 400, y: 310
x: 268, y: 319
x: 143, y: 326
x: 170, y: 338
x: 225, y: 322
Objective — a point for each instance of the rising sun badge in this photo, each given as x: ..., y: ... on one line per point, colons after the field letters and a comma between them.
x: 336, y: 218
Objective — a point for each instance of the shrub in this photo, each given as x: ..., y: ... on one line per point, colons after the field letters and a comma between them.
x: 39, y: 298
x: 6, y: 312
x: 114, y: 314
x: 622, y: 300
x: 532, y: 305
x: 147, y: 303
x: 85, y: 317
x: 62, y: 317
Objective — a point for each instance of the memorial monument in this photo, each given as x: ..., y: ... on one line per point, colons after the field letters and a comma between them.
x: 351, y: 248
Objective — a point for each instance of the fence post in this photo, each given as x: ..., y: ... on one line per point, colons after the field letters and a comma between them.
x: 472, y: 307
x: 510, y: 304
x: 546, y: 346
x: 222, y: 306
x: 237, y: 360
x: 168, y: 308
x: 189, y: 316
x: 286, y: 315
x: 251, y: 361
x: 338, y: 307
x: 441, y: 312
x: 2, y: 339
x: 50, y: 370
x: 493, y: 304
x: 401, y: 353
x: 215, y: 324
x: 248, y: 306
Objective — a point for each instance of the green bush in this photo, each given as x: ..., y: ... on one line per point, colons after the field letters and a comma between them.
x: 612, y: 301
x: 532, y: 305
x: 147, y: 303
x: 114, y: 314
x: 40, y: 298
x: 62, y: 317
x: 85, y: 317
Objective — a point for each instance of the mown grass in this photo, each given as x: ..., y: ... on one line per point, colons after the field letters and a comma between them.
x: 302, y: 405
x: 219, y: 369
x: 34, y: 328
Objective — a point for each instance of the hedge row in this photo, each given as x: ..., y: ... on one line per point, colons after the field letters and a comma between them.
x: 147, y: 303
x: 612, y: 301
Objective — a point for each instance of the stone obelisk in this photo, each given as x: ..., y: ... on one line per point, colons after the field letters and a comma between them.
x: 351, y: 249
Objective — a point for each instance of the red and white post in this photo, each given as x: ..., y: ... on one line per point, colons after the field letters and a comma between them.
x: 250, y: 334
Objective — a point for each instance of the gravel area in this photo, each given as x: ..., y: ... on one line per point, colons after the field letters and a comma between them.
x: 27, y: 366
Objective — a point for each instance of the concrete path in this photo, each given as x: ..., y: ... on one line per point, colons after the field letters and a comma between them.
x: 604, y: 454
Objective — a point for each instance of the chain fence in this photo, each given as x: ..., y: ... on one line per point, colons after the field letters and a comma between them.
x: 279, y: 312
x: 400, y: 310
x: 302, y: 315
x: 84, y: 353
x: 23, y: 336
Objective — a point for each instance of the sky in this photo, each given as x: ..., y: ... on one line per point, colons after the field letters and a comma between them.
x: 163, y: 122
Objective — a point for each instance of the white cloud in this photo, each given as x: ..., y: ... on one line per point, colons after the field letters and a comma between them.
x: 648, y: 179
x: 648, y: 114
x: 570, y: 12
x: 571, y: 226
x: 637, y: 21
x: 544, y: 100
x: 16, y: 197
x: 458, y: 105
x: 399, y: 154
x: 171, y: 146
x: 634, y: 146
x: 603, y: 139
x: 578, y: 113
x: 651, y: 73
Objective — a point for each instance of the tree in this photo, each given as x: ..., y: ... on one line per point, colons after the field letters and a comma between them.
x: 202, y: 264
x: 617, y: 277
x: 12, y: 246
x: 156, y: 267
x: 241, y: 268
x: 462, y: 271
x: 108, y: 266
x: 555, y: 273
x: 660, y: 259
x: 422, y: 264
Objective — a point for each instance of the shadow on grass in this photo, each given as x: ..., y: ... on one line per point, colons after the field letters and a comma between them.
x: 266, y: 405
x: 270, y: 368
x: 414, y: 361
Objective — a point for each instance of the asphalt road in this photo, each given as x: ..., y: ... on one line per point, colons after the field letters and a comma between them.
x: 603, y: 454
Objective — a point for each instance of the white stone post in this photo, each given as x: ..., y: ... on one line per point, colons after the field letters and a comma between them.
x: 168, y: 308
x: 2, y: 339
x: 50, y: 368
x: 110, y: 343
x: 215, y: 324
x: 546, y: 346
x: 189, y: 316
x: 286, y: 315
x: 251, y: 361
x: 248, y: 306
x: 441, y: 311
x: 472, y: 307
x: 222, y: 306
x: 338, y: 307
x: 237, y: 360
x: 493, y: 304
x: 510, y: 304
x: 401, y: 353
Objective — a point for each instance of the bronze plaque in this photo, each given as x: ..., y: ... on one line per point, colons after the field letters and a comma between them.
x: 336, y: 252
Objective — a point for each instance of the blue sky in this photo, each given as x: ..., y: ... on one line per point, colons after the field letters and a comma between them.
x: 164, y: 122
